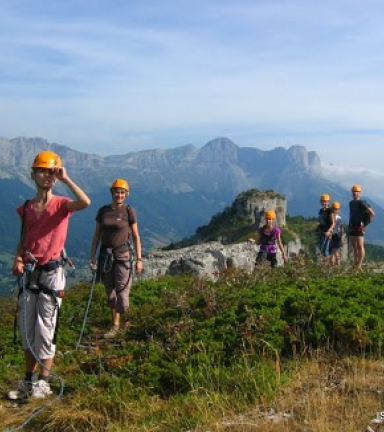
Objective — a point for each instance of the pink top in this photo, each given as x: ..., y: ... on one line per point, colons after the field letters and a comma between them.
x: 268, y: 238
x: 45, y: 233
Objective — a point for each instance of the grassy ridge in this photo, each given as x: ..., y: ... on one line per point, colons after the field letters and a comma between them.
x: 196, y: 349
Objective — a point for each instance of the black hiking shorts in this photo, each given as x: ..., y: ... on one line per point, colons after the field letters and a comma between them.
x: 266, y: 256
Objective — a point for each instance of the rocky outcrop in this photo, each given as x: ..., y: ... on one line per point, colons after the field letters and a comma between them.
x: 207, y: 260
x: 254, y: 205
x: 243, y: 218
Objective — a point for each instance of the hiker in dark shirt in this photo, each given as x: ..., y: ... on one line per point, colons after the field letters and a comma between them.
x: 360, y: 215
x: 326, y: 219
x: 115, y: 224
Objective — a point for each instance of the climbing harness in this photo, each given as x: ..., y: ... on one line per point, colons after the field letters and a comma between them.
x: 107, y: 256
x: 108, y: 260
x: 36, y: 288
x: 67, y: 261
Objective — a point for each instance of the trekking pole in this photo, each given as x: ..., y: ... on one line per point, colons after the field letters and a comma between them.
x: 87, y: 309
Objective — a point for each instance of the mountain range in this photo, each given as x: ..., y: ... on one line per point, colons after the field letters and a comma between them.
x: 173, y: 190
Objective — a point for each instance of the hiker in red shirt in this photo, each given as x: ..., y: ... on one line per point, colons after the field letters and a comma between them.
x: 39, y: 253
x: 115, y: 224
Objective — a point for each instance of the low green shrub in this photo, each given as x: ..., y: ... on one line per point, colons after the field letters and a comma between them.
x: 228, y: 339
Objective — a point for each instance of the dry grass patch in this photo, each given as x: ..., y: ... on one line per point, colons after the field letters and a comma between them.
x: 325, y: 395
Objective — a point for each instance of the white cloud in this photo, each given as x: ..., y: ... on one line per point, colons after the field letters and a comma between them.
x: 370, y: 179
x: 151, y: 73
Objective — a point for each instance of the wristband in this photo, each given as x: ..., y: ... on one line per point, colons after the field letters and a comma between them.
x: 139, y: 259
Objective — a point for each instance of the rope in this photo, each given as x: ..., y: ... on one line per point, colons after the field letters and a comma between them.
x: 87, y: 310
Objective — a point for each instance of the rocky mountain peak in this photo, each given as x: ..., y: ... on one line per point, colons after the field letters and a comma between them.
x: 302, y: 160
x: 219, y: 150
x: 314, y: 162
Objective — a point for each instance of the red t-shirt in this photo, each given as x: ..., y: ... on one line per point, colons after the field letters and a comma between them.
x: 45, y: 233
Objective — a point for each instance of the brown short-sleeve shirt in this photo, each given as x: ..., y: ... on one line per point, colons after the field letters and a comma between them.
x: 115, y: 225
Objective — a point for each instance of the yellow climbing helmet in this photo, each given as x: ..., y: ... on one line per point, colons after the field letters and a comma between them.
x: 119, y: 183
x: 356, y: 188
x: 336, y: 205
x: 324, y: 197
x: 270, y: 214
x: 46, y: 159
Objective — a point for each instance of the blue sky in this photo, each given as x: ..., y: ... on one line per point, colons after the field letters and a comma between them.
x: 111, y: 77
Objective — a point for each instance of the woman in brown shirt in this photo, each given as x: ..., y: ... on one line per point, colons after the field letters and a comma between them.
x: 116, y: 224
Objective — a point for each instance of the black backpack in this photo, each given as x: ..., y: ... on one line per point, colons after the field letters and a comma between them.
x: 367, y: 217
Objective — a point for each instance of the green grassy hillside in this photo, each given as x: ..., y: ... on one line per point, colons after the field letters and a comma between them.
x: 197, y: 350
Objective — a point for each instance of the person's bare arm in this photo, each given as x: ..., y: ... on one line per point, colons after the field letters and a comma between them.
x: 137, y: 243
x: 333, y: 223
x: 371, y: 212
x: 281, y: 247
x: 18, y: 263
x: 81, y: 200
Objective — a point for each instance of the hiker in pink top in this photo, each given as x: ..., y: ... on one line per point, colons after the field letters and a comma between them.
x: 269, y: 240
x: 44, y: 222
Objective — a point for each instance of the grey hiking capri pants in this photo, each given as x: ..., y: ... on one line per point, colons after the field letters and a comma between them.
x: 118, y: 282
x: 38, y: 311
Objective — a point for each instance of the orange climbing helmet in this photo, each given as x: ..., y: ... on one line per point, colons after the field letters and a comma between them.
x: 324, y: 197
x: 336, y: 205
x: 270, y: 214
x: 119, y: 183
x: 46, y: 159
x: 356, y: 188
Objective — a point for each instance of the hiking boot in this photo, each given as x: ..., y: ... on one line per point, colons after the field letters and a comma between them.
x: 127, y: 325
x: 22, y: 391
x: 111, y: 333
x: 41, y: 389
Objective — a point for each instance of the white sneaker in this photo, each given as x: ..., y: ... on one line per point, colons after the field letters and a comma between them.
x: 22, y: 391
x: 41, y: 389
x: 112, y: 333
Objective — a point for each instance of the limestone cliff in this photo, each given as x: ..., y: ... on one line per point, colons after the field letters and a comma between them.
x: 208, y: 259
x: 242, y: 218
